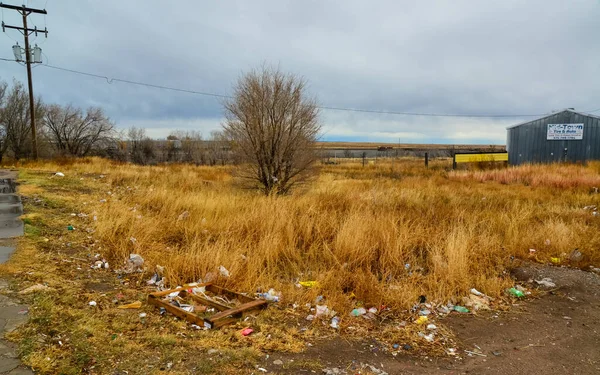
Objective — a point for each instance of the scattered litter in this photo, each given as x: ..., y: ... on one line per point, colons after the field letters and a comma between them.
x: 100, y: 264
x: 212, y: 351
x: 92, y: 303
x: 477, y: 293
x: 396, y: 346
x: 35, y: 288
x: 422, y: 320
x: 247, y: 331
x: 592, y: 208
x: 476, y: 302
x: 70, y: 227
x: 461, y: 309
x: 135, y: 263
x: 406, y: 347
x: 444, y: 310
x: 59, y: 174
x: 309, y: 284
x: 310, y: 317
x: 567, y: 317
x: 333, y: 371
x: 143, y: 315
x: 358, y: 312
x: 335, y: 322
x: 262, y: 369
x: 424, y: 312
x: 223, y: 271
x: 278, y: 362
x: 475, y: 353
x: 451, y: 351
x: 555, y: 260
x: 522, y: 289
x: 373, y: 310
x: 184, y: 215
x: 576, y: 256
x: 322, y: 310
x: 595, y: 269
x: 497, y: 353
x: 531, y: 251
x: 431, y: 326
x: 547, y: 282
x: 102, y: 200
x: 428, y: 338
x: 516, y: 293
x: 134, y: 305
x: 271, y: 295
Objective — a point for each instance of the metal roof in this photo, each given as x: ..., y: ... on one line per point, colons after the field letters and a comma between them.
x: 552, y: 114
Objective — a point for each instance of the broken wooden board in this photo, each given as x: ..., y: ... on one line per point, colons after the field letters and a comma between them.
x: 226, y: 314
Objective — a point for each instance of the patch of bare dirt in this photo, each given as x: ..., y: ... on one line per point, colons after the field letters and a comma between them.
x: 557, y: 333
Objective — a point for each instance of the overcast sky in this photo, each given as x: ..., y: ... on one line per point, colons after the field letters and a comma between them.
x: 454, y: 57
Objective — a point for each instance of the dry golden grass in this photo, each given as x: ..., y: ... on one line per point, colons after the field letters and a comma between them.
x: 354, y: 229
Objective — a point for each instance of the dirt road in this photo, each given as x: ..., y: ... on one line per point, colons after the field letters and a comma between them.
x: 558, y: 333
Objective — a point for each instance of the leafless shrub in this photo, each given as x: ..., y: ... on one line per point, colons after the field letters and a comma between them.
x: 273, y: 126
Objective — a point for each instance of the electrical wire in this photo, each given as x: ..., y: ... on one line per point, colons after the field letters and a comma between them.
x: 110, y: 80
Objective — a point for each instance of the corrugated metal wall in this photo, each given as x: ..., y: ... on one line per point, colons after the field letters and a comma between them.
x: 527, y: 142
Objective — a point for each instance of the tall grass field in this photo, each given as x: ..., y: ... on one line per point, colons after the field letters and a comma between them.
x: 382, y: 234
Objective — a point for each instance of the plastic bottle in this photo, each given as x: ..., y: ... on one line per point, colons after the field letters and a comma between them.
x: 461, y: 309
x: 358, y: 312
x: 516, y: 293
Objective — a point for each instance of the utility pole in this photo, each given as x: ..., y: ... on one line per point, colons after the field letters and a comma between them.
x: 25, y: 11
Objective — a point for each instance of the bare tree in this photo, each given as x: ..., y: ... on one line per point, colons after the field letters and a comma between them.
x: 217, y: 149
x: 190, y: 145
x: 273, y: 126
x: 75, y: 134
x: 16, y: 120
x: 143, y: 150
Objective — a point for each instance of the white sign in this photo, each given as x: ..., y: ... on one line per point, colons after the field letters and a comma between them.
x: 557, y: 132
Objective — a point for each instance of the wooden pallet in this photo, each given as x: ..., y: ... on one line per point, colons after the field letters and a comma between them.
x: 226, y: 314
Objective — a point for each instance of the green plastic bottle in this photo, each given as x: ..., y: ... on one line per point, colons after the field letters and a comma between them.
x: 516, y: 293
x: 461, y: 309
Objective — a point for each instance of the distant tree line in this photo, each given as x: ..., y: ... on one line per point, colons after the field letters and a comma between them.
x: 70, y: 131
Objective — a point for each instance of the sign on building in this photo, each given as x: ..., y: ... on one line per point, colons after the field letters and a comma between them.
x: 560, y: 132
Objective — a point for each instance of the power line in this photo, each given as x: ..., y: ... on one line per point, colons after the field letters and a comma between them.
x: 110, y: 80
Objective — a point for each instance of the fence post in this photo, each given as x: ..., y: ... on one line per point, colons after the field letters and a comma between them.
x: 364, y: 155
x: 454, y: 161
x: 426, y: 160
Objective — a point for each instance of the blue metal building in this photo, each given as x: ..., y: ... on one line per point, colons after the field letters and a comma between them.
x: 565, y: 136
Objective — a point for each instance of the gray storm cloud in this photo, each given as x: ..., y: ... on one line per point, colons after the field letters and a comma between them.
x: 474, y: 57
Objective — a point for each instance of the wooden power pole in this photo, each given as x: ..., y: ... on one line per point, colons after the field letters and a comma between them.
x: 25, y: 11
